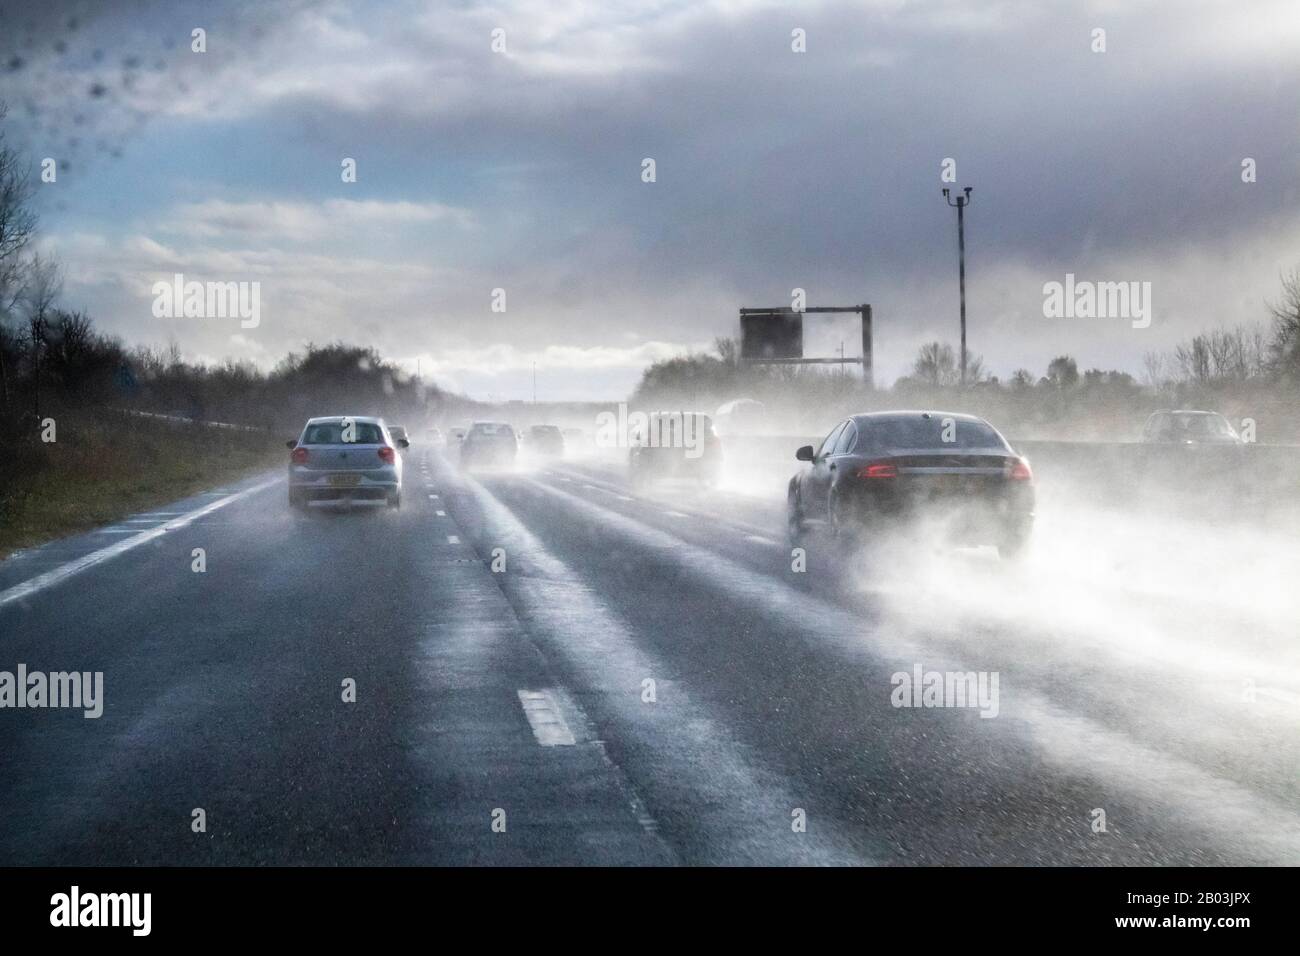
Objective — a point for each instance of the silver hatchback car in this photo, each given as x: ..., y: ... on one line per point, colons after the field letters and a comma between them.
x: 345, y: 459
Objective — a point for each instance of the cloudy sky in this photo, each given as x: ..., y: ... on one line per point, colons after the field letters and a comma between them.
x: 522, y: 170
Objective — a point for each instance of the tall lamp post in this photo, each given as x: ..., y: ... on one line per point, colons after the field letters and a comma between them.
x: 961, y: 203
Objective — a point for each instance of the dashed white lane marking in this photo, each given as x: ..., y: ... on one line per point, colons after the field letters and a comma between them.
x: 759, y: 539
x: 610, y: 491
x: 65, y: 571
x: 441, y: 514
x: 432, y: 497
x: 544, y: 717
x: 676, y: 514
x: 453, y: 539
x: 116, y: 531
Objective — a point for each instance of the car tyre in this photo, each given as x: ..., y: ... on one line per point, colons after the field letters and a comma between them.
x: 395, y: 500
x: 795, y: 530
x: 844, y: 530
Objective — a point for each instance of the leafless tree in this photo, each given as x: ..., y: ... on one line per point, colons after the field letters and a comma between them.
x: 935, y: 365
x: 1286, y: 325
x: 1193, y: 359
x: 44, y: 283
x: 17, y: 225
x: 728, y: 349
x: 1154, y: 369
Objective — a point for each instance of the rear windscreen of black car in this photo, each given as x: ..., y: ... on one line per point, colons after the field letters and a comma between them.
x: 935, y: 432
x: 331, y: 433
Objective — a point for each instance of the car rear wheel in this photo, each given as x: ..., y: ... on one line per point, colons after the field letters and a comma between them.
x: 794, y: 526
x: 395, y: 500
x: 838, y: 522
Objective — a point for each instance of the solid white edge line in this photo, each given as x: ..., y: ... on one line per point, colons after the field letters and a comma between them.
x: 65, y: 571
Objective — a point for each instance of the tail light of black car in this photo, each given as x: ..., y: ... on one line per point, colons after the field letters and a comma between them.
x: 1018, y: 470
x: 878, y: 469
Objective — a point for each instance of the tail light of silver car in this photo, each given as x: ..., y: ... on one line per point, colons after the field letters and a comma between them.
x: 388, y: 455
x: 299, y: 456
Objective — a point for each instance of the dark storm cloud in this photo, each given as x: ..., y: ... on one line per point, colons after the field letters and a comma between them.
x: 779, y: 169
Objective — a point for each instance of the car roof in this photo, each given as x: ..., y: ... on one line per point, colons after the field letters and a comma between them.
x: 330, y: 419
x: 905, y: 415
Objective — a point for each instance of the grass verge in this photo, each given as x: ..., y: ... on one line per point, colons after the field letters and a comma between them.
x: 105, y: 465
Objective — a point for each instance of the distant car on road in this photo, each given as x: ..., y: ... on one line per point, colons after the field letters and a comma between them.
x: 345, y: 458
x: 877, y: 470
x: 675, y: 445
x: 491, y: 444
x: 1188, y: 427
x: 457, y: 433
x: 398, y: 433
x: 545, y: 440
x: 433, y: 435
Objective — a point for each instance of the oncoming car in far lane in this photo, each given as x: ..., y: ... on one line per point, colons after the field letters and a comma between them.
x: 345, y: 459
x: 877, y: 471
x: 1188, y: 427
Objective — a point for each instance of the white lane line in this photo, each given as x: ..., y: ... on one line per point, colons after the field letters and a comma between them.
x: 431, y: 497
x: 116, y: 531
x: 441, y: 514
x: 610, y: 491
x: 759, y: 539
x: 598, y: 644
x: 1064, y: 739
x: 160, y: 514
x: 20, y: 591
x: 140, y: 520
x: 676, y: 514
x: 452, y: 539
x: 549, y: 726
